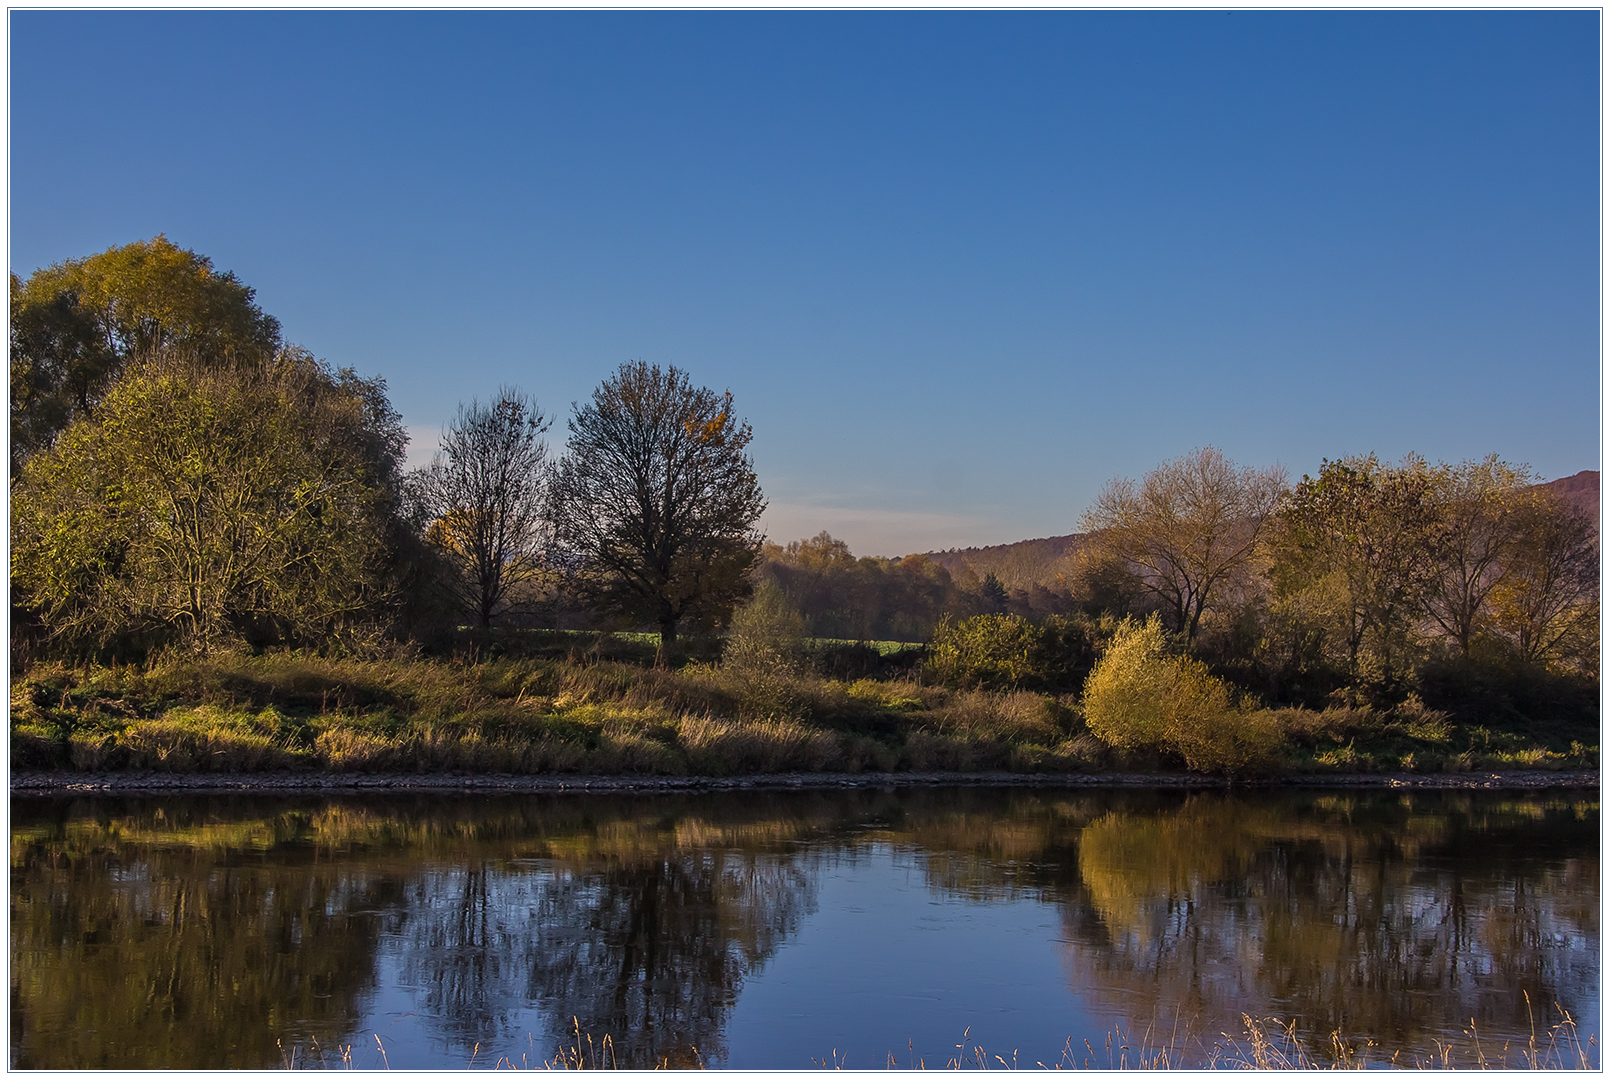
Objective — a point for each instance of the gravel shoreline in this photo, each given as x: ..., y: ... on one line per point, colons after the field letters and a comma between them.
x: 69, y: 783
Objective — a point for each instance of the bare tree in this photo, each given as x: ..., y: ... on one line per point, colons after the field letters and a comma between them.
x: 481, y: 501
x: 1186, y: 529
x: 655, y: 501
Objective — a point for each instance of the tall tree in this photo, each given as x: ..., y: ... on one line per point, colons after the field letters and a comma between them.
x: 76, y: 325
x: 1483, y: 508
x: 202, y: 504
x: 1358, y: 543
x: 1547, y: 602
x: 1186, y: 529
x: 655, y: 501
x: 482, y: 497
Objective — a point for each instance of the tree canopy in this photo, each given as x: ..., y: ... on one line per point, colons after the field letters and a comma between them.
x: 1361, y: 539
x: 655, y: 502
x: 202, y: 504
x: 1186, y: 529
x: 77, y: 324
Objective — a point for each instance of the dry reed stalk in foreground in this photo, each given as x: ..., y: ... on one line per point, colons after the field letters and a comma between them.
x: 1267, y: 1043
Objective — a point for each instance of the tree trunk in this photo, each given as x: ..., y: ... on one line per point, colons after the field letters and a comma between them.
x: 667, y: 641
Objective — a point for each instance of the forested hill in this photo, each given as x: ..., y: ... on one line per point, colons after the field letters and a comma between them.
x: 1581, y: 491
x: 1038, y: 562
x: 1016, y: 566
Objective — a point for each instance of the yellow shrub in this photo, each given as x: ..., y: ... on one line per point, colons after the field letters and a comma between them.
x: 1138, y: 697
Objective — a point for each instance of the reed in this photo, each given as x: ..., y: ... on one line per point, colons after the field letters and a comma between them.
x: 1263, y: 1043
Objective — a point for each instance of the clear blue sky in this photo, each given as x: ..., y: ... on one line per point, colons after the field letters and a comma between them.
x: 957, y: 268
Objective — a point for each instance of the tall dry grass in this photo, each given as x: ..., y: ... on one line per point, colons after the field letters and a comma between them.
x: 1262, y: 1043
x: 234, y: 712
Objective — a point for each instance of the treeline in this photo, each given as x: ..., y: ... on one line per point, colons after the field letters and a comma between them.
x: 1467, y: 590
x: 877, y: 599
x: 184, y: 478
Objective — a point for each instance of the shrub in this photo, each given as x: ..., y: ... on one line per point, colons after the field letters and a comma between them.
x: 1009, y: 652
x: 765, y: 652
x: 1138, y: 697
x: 991, y: 652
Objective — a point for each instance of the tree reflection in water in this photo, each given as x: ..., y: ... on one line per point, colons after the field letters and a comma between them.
x: 1399, y: 920
x: 222, y: 932
x: 651, y: 953
x: 154, y: 937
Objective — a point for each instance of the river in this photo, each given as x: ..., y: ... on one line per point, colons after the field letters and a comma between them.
x: 783, y: 929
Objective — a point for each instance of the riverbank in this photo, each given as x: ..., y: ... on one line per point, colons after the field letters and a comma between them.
x: 544, y: 722
x: 39, y: 782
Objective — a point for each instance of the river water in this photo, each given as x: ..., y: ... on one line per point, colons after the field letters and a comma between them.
x: 777, y: 930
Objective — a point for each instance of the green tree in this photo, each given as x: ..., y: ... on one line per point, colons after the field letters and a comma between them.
x: 482, y: 497
x: 77, y: 324
x: 1187, y: 530
x: 201, y: 504
x: 993, y: 592
x: 655, y: 500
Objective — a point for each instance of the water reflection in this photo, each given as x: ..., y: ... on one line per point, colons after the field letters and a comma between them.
x: 1394, y: 919
x: 222, y: 932
x: 651, y: 951
x: 147, y: 939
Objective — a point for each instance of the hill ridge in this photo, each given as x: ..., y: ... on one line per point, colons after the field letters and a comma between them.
x: 1038, y: 561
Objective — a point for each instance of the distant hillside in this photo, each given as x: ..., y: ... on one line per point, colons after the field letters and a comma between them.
x: 1581, y: 491
x: 1038, y: 562
x: 1017, y: 566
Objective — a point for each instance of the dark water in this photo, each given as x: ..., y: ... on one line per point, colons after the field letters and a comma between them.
x: 768, y: 930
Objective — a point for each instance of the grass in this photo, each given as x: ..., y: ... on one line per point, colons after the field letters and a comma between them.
x: 579, y: 713
x: 1262, y: 1043
x: 241, y: 713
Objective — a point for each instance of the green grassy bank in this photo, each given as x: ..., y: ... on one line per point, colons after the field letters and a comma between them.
x: 603, y: 709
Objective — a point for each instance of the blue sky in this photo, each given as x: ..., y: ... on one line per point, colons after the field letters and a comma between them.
x: 957, y: 268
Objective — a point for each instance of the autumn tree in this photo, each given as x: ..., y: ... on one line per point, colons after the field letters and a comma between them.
x: 481, y: 500
x: 1547, y: 602
x: 1186, y: 530
x: 203, y: 504
x: 77, y: 324
x: 1483, y: 506
x: 655, y: 501
x: 1355, y: 547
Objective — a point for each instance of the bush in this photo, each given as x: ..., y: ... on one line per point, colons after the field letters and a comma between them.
x: 765, y: 652
x: 1009, y: 652
x: 989, y: 652
x: 1139, y: 697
